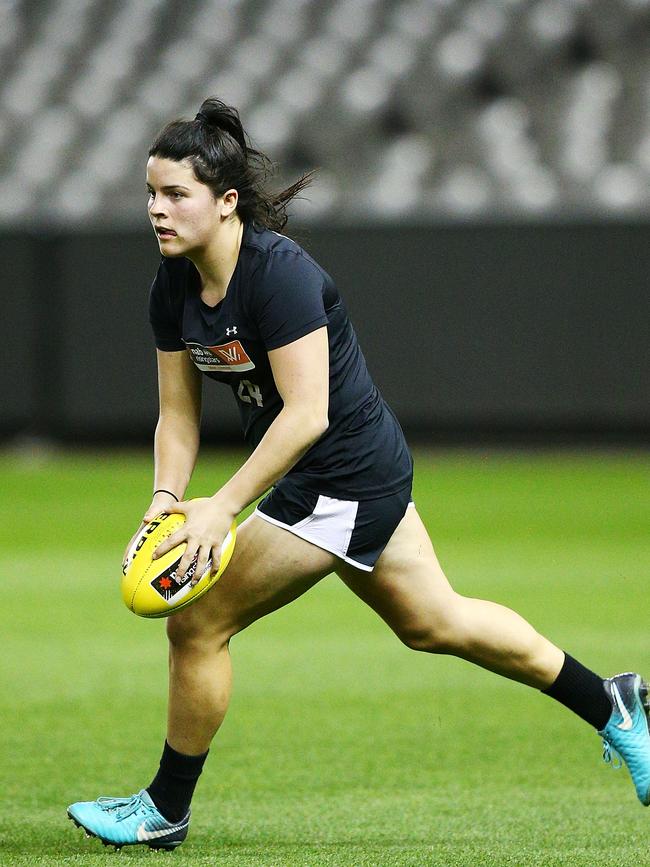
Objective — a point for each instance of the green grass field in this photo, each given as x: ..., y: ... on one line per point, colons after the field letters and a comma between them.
x: 341, y: 747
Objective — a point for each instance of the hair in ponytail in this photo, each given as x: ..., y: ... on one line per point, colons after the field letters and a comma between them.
x: 222, y: 158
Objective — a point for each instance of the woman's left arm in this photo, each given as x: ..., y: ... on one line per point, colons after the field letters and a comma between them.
x: 301, y: 374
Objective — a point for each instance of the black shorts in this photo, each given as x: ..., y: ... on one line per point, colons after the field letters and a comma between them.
x: 357, y: 531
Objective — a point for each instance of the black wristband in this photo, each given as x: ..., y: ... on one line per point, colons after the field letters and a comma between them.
x: 165, y: 491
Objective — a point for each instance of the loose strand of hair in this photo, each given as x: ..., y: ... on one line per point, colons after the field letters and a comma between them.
x: 281, y: 200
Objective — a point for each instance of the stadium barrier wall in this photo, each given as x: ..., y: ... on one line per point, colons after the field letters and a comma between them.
x: 468, y: 330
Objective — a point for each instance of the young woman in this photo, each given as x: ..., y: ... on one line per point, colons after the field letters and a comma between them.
x: 246, y: 306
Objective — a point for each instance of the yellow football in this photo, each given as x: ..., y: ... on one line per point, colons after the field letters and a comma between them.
x: 151, y: 588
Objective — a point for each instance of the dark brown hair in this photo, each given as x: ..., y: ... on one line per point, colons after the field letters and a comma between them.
x: 221, y: 156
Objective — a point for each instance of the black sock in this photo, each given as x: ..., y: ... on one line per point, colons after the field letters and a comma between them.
x: 582, y: 691
x: 173, y: 786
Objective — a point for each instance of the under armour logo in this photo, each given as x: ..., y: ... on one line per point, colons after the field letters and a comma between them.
x: 230, y: 331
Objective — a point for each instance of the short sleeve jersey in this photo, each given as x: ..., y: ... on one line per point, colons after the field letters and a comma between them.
x: 278, y: 294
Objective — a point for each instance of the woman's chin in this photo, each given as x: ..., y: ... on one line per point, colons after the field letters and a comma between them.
x: 170, y: 249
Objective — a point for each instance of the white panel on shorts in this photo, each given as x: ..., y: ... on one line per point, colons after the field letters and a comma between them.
x: 331, y: 523
x: 329, y: 526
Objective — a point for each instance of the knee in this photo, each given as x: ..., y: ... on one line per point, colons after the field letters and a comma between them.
x: 188, y: 631
x: 439, y: 633
x: 426, y: 639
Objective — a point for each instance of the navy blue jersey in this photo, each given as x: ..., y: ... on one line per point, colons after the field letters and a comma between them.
x: 276, y: 295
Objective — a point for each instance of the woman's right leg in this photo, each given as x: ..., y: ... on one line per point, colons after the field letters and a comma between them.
x: 269, y: 568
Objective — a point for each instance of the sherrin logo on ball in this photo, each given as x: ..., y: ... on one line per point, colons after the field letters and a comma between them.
x: 153, y: 588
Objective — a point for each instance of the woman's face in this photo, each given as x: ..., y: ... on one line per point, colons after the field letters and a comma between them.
x: 183, y: 212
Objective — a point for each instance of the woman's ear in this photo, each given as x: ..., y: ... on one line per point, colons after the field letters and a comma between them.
x: 228, y: 203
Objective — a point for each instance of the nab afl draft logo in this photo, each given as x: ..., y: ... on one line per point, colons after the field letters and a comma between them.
x: 168, y: 584
x: 224, y: 358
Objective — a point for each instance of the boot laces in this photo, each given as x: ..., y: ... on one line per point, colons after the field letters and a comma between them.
x: 123, y: 807
x: 611, y: 756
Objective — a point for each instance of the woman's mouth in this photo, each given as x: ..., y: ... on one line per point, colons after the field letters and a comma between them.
x: 164, y: 233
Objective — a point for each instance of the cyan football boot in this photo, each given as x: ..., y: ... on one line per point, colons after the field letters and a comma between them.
x: 626, y: 737
x: 126, y: 821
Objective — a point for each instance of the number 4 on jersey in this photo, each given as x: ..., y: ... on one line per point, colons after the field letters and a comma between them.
x: 254, y: 393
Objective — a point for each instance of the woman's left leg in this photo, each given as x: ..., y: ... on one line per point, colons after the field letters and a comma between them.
x: 409, y: 590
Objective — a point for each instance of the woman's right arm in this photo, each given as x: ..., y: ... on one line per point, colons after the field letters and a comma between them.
x: 176, y: 442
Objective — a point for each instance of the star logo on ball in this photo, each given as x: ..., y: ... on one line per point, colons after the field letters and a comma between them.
x: 165, y: 583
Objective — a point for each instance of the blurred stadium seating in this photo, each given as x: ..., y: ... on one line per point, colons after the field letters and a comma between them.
x: 419, y: 108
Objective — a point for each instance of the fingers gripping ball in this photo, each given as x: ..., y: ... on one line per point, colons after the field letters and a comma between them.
x: 152, y: 588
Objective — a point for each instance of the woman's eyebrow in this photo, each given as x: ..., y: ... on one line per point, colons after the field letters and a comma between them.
x: 169, y: 187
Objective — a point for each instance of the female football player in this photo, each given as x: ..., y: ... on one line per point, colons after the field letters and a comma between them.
x: 246, y: 306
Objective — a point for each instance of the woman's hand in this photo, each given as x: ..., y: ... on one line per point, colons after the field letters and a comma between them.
x: 207, y: 522
x: 161, y: 502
